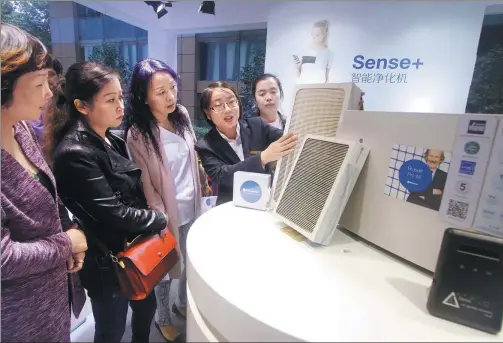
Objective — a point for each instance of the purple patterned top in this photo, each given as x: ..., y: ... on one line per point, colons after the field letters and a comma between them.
x: 35, y: 304
x: 38, y: 126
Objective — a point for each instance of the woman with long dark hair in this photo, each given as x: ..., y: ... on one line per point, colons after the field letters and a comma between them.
x: 161, y: 141
x: 40, y: 246
x: 101, y: 186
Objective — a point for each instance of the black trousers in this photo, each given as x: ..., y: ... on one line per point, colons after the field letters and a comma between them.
x: 110, y: 312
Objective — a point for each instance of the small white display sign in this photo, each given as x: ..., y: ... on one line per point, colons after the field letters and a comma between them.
x: 489, y: 217
x: 252, y: 190
x: 470, y: 156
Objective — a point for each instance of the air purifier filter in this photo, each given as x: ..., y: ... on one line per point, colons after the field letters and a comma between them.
x: 319, y: 185
x: 317, y: 110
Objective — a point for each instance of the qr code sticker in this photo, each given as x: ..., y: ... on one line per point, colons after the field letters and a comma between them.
x: 457, y: 209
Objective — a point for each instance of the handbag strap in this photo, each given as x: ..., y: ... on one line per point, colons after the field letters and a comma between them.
x: 93, y: 238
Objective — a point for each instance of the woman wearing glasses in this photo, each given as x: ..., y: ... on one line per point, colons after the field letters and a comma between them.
x: 235, y: 143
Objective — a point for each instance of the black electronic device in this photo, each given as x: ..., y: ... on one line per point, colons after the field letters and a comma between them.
x: 308, y: 59
x: 467, y: 287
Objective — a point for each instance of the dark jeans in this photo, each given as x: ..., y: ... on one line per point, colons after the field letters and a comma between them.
x: 110, y: 312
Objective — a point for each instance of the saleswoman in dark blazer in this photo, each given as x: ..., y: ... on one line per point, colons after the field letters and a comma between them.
x: 234, y: 143
x: 102, y: 188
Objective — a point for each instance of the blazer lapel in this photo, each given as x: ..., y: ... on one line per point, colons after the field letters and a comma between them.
x: 245, y: 138
x: 222, y: 146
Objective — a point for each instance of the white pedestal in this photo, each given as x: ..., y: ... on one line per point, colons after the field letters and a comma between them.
x: 249, y: 281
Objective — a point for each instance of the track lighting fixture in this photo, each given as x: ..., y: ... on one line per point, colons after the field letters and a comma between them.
x: 207, y: 7
x: 159, y: 7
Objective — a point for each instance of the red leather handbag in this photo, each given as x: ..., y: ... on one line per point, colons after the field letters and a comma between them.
x: 143, y: 263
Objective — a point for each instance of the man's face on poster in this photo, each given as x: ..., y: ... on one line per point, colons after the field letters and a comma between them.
x: 434, y: 158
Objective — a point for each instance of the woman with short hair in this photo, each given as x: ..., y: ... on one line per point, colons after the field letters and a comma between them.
x: 40, y: 246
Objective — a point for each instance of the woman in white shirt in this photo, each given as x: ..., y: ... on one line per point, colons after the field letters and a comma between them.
x: 315, y: 67
x: 268, y: 93
x: 161, y: 141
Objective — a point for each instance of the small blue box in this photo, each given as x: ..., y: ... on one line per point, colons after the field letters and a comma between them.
x: 252, y: 190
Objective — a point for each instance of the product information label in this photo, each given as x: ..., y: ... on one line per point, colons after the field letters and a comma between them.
x: 474, y: 304
x: 489, y: 217
x: 470, y: 157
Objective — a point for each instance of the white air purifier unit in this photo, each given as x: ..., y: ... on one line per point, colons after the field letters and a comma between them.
x: 317, y: 109
x: 319, y: 185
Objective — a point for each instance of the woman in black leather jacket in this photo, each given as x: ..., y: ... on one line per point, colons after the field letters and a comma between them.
x: 102, y: 188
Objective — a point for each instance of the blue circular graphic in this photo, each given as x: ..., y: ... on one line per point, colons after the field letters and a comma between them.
x: 472, y: 148
x: 250, y: 191
x: 208, y: 202
x: 415, y: 175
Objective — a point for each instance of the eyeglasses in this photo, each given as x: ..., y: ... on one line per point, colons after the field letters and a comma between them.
x: 220, y: 107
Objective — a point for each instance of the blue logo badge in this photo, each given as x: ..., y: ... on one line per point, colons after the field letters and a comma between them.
x: 251, y: 191
x: 472, y: 148
x: 415, y: 175
x: 467, y: 167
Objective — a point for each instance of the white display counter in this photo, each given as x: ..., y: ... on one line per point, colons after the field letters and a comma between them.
x: 249, y: 281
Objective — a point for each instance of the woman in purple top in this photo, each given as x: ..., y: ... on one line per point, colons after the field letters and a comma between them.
x: 39, y: 245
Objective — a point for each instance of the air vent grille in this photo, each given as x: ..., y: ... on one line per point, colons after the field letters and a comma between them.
x: 311, y: 181
x: 316, y: 111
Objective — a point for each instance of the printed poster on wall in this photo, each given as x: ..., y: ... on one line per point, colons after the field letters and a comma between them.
x: 402, y: 64
x: 417, y: 175
x: 468, y: 168
x: 489, y: 216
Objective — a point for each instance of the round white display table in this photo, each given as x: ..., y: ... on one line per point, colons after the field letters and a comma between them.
x: 249, y: 281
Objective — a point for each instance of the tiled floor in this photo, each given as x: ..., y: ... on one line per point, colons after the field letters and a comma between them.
x: 85, y: 332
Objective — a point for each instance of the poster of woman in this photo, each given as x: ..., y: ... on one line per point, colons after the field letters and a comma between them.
x: 314, y: 65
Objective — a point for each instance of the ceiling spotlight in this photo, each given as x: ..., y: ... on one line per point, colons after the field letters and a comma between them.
x: 159, y: 7
x: 207, y: 7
